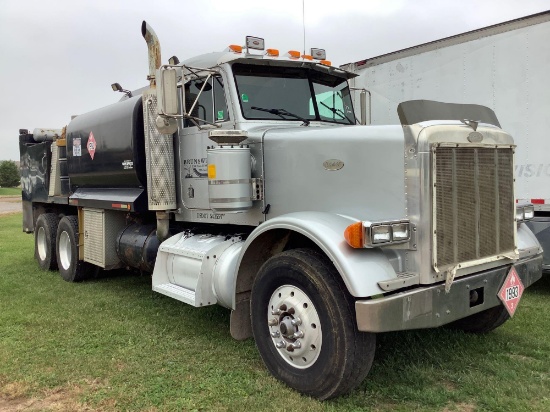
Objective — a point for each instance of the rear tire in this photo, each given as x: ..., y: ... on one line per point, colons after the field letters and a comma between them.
x: 70, y: 268
x: 482, y: 322
x: 45, y: 241
x: 312, y: 344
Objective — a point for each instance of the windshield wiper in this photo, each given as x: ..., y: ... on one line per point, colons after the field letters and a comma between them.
x: 281, y: 113
x: 338, y: 112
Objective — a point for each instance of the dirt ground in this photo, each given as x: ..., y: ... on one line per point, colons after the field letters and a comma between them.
x: 61, y: 399
x: 10, y: 204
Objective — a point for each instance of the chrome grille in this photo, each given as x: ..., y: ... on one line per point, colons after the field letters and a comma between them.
x: 474, y: 203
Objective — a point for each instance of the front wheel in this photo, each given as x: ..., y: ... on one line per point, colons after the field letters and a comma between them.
x: 70, y: 268
x: 482, y: 322
x: 303, y: 320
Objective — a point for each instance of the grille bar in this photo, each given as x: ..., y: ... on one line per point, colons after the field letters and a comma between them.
x: 473, y: 204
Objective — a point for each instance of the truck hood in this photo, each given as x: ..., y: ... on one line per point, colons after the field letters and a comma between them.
x: 355, y: 171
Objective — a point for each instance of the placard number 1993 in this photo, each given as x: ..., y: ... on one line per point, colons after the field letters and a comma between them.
x: 512, y: 293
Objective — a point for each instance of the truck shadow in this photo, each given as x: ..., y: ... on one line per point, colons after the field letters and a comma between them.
x: 188, y: 320
x: 541, y: 287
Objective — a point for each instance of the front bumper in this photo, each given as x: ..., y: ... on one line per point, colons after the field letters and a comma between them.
x: 430, y: 307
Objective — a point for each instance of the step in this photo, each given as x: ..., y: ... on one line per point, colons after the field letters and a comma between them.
x: 401, y: 281
x: 176, y: 292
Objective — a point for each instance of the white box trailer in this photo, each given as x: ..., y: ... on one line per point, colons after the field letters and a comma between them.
x: 504, y: 67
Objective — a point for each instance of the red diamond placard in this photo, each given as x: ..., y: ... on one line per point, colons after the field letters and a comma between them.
x: 511, y: 291
x: 91, y: 145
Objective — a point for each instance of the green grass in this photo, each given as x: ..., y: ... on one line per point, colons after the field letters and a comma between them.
x: 113, y: 344
x: 10, y: 191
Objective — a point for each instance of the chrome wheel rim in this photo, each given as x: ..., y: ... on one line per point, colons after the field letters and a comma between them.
x: 65, y: 252
x: 41, y: 243
x: 294, y: 326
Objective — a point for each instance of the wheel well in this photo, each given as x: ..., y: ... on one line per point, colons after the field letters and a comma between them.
x: 60, y: 210
x: 265, y: 246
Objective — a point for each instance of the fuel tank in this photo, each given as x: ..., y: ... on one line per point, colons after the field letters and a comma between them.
x: 106, y: 147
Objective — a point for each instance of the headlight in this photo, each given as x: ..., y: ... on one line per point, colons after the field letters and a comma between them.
x: 528, y: 212
x: 525, y: 212
x: 519, y: 214
x: 400, y: 232
x: 373, y: 234
x: 381, y: 234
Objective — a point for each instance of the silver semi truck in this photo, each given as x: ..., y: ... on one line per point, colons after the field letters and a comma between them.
x: 243, y: 179
x: 504, y: 67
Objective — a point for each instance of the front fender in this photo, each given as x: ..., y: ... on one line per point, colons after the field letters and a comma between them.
x: 528, y: 244
x: 361, y: 269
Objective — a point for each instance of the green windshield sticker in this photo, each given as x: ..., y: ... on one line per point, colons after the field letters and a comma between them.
x: 220, y: 115
x: 244, y: 98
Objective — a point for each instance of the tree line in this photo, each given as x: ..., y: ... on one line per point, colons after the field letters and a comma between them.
x: 9, y: 174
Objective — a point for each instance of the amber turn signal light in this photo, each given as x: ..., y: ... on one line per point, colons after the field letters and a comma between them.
x: 354, y: 235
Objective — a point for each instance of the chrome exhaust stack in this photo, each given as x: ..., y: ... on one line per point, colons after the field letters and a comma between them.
x: 159, y: 148
x: 153, y: 46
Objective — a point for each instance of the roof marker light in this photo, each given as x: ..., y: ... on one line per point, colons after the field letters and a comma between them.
x: 294, y: 54
x: 326, y: 62
x: 307, y: 57
x: 235, y: 48
x: 272, y: 52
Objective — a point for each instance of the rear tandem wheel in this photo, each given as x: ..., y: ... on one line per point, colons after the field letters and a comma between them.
x: 70, y: 268
x: 45, y: 241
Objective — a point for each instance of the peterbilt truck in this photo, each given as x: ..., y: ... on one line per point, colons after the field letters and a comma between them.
x: 244, y: 179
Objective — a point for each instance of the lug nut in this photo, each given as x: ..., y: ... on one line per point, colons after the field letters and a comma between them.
x: 282, y: 308
x: 290, y: 348
x: 275, y: 334
x: 276, y: 312
x: 273, y: 322
x: 296, y: 321
x: 291, y: 311
x: 296, y: 345
x: 280, y: 344
x: 299, y: 334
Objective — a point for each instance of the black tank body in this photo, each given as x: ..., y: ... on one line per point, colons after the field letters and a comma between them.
x: 106, y: 147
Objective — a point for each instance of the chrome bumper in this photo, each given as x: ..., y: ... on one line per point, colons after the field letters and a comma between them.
x: 429, y: 307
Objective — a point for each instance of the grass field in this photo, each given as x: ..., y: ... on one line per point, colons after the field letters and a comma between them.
x: 10, y: 191
x: 113, y: 344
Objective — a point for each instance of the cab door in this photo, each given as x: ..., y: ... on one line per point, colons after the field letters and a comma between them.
x: 210, y: 105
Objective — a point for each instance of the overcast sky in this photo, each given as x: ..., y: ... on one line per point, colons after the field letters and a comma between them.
x: 59, y: 58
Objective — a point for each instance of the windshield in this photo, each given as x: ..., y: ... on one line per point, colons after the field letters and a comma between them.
x: 292, y: 93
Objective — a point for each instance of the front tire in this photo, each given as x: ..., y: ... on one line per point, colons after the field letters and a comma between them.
x: 45, y: 241
x: 482, y: 322
x: 70, y: 268
x: 303, y: 320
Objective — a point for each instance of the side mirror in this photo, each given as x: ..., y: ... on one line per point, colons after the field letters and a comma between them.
x: 167, y: 92
x: 365, y: 116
